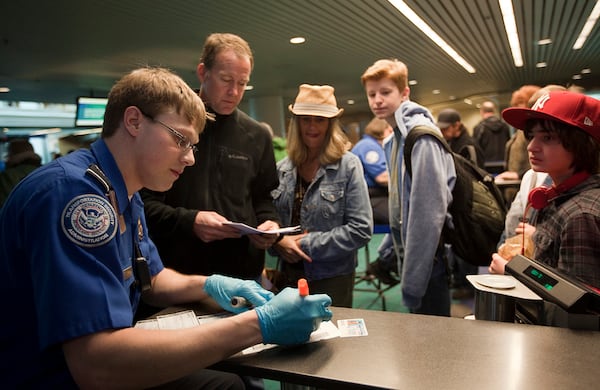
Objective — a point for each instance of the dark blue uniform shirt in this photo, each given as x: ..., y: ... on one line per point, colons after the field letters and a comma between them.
x: 65, y: 264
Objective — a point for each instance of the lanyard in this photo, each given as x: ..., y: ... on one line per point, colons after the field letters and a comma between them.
x: 139, y: 264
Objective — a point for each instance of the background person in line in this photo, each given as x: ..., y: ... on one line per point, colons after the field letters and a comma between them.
x: 323, y: 189
x: 563, y: 130
x: 491, y: 134
x: 372, y: 156
x: 232, y: 179
x: 418, y: 203
x: 21, y: 160
x: 517, y: 162
x: 458, y: 138
x: 370, y: 152
x: 70, y: 288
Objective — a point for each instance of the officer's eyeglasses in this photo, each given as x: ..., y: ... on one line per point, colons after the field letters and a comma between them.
x: 182, y: 141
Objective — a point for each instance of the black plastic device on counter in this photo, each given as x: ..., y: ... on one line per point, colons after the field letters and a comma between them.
x: 577, y: 305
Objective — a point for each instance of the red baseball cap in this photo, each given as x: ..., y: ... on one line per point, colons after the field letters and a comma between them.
x: 571, y: 108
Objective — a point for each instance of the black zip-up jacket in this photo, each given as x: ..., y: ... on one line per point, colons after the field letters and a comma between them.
x: 492, y: 134
x: 234, y: 175
x: 466, y: 146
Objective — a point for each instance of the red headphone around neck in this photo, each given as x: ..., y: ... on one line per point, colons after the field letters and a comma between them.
x: 540, y: 197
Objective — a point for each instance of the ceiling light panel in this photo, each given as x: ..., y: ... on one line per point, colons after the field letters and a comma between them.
x: 510, y: 26
x: 430, y: 33
x: 587, y: 27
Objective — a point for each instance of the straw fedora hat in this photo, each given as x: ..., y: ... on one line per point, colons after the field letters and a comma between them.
x: 316, y: 100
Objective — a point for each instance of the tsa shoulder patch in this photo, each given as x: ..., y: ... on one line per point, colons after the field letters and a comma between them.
x: 89, y: 220
x: 372, y: 156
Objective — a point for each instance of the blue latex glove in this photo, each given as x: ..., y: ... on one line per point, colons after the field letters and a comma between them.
x: 223, y: 288
x: 289, y: 318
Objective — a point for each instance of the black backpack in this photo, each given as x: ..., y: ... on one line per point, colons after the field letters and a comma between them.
x: 478, y: 209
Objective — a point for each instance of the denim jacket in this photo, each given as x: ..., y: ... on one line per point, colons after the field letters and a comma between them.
x: 335, y: 212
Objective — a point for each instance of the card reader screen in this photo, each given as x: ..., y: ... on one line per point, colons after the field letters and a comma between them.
x: 540, y: 277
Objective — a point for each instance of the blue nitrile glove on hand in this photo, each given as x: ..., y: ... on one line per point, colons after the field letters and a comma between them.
x: 289, y: 318
x: 223, y: 288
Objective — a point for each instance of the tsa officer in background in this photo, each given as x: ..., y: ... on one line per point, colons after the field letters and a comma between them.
x: 75, y: 258
x: 370, y: 152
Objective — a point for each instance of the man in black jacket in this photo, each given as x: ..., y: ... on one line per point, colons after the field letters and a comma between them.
x: 491, y: 134
x: 231, y: 180
x: 455, y: 133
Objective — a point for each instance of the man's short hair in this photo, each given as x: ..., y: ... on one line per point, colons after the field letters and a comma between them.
x: 217, y: 42
x: 488, y: 107
x: 376, y: 128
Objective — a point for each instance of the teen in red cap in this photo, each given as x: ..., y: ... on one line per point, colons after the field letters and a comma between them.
x: 563, y: 131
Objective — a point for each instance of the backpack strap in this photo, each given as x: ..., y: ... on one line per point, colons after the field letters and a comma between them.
x: 409, y: 143
x: 471, y: 151
x: 412, y: 137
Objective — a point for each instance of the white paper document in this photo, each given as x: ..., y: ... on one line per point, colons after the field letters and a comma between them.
x: 180, y: 320
x: 326, y: 330
x: 245, y: 229
x: 188, y: 319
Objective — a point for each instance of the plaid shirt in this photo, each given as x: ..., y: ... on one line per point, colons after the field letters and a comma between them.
x: 568, y: 232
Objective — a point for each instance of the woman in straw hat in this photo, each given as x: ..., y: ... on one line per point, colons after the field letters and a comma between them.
x: 322, y: 188
x: 563, y: 131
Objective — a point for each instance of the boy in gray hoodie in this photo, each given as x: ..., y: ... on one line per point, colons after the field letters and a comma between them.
x: 418, y: 202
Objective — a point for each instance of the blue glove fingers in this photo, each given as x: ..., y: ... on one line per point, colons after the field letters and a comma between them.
x: 318, y: 310
x: 275, y: 330
x: 214, y: 287
x: 319, y: 307
x: 223, y: 288
x: 258, y: 296
x: 289, y: 318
